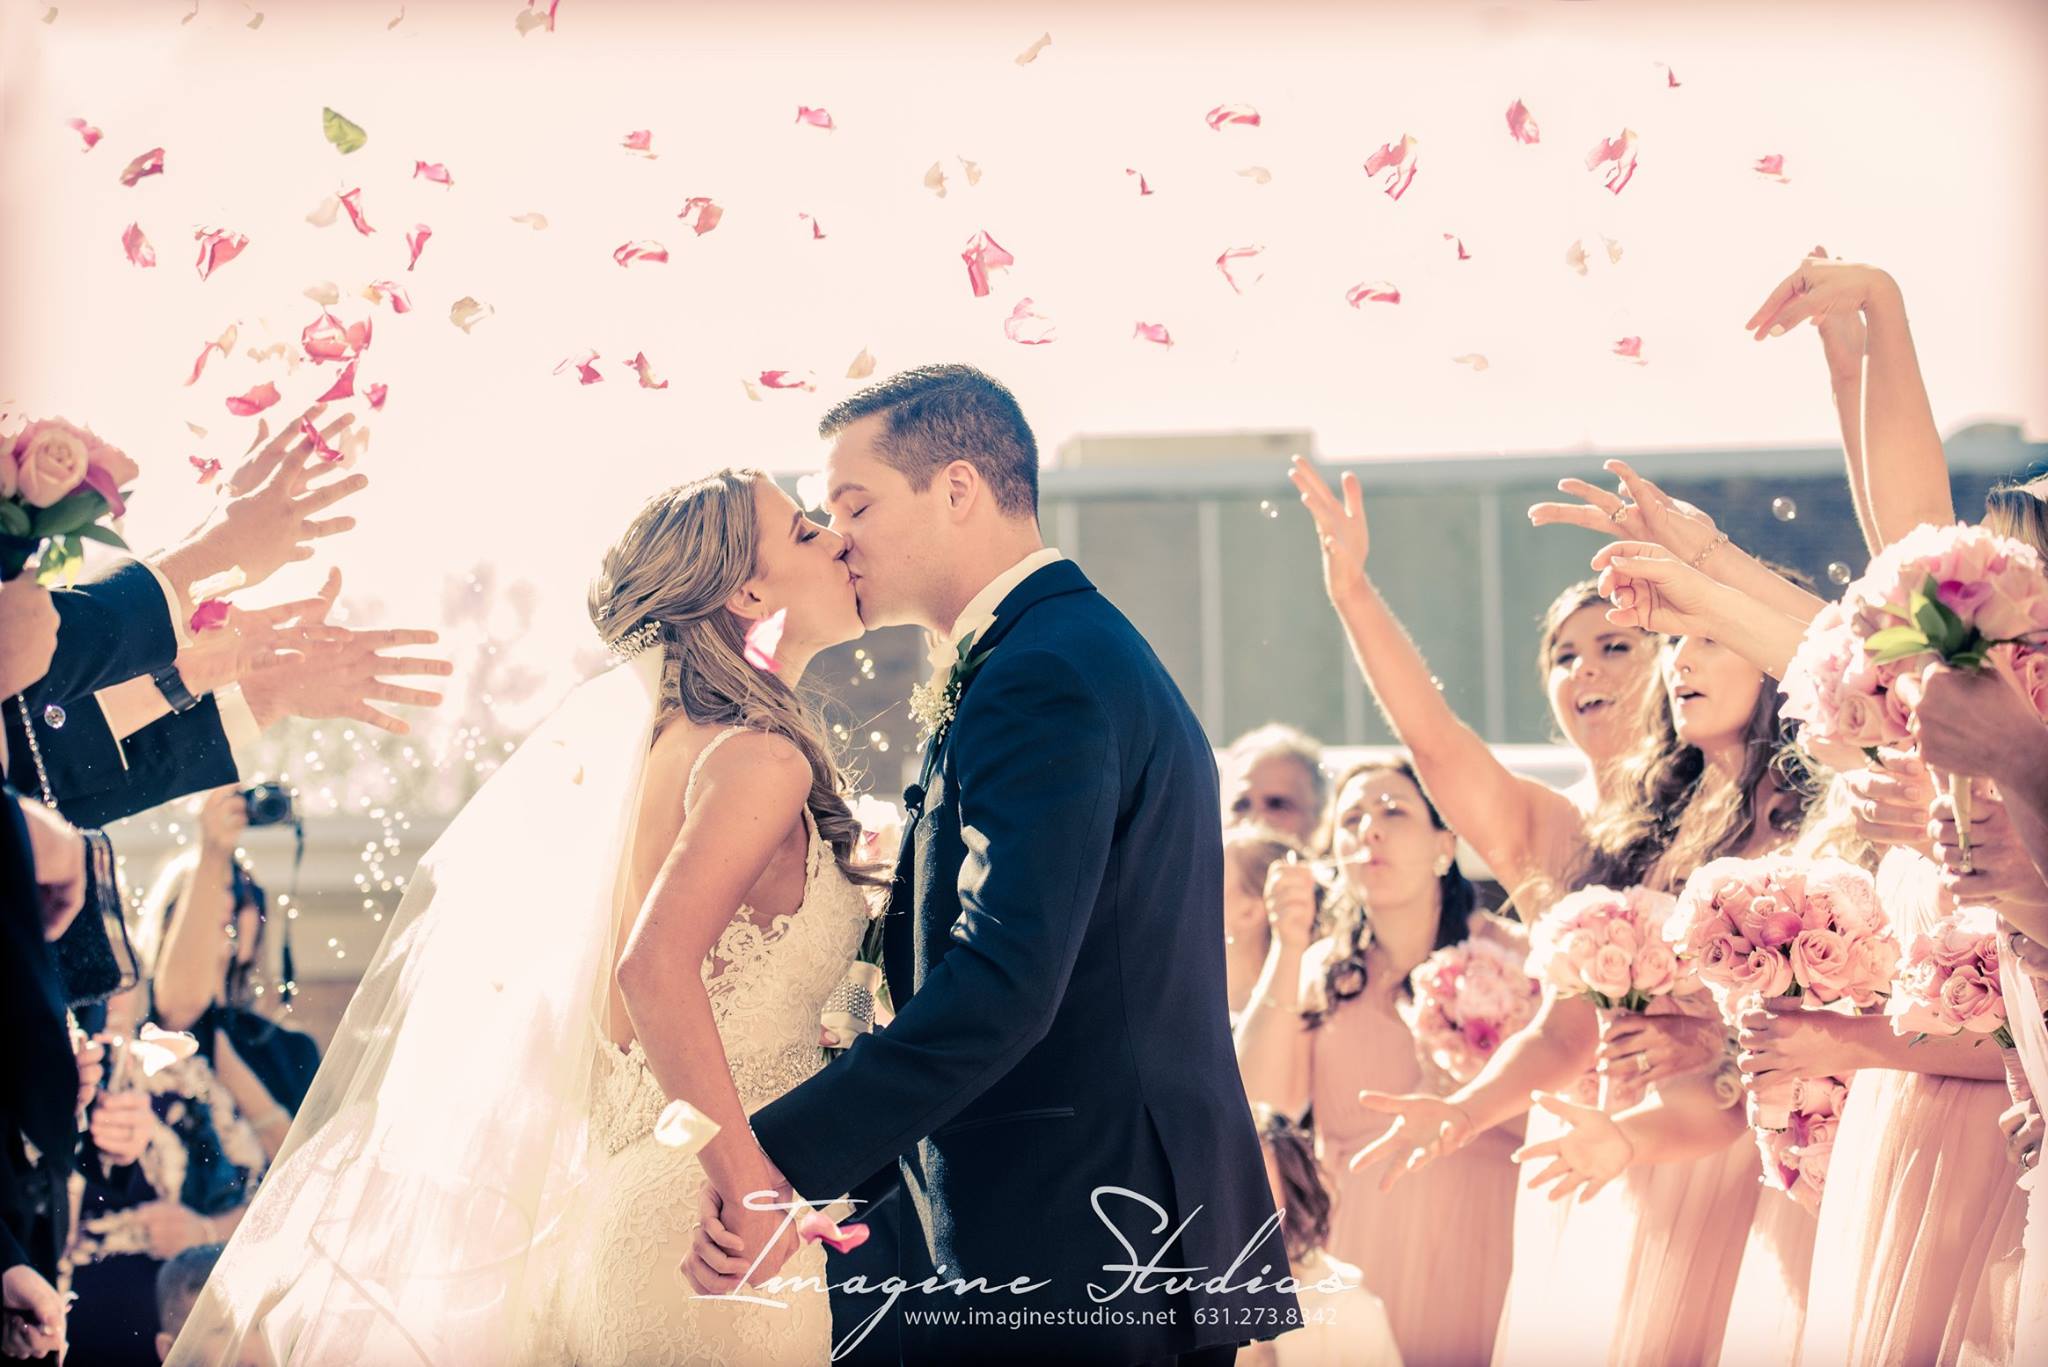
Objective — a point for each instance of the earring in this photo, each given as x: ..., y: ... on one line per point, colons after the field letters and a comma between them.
x: 1443, y: 865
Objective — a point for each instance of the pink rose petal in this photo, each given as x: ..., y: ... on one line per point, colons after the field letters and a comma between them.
x: 1621, y: 151
x: 433, y: 171
x: 326, y: 339
x: 1026, y: 326
x: 1398, y: 161
x: 316, y: 441
x: 707, y: 213
x: 253, y: 402
x: 1471, y: 358
x: 208, y: 615
x: 983, y: 255
x: 1372, y: 292
x: 1630, y: 349
x: 787, y: 379
x: 1232, y: 254
x: 815, y: 1228
x: 1240, y: 114
x: 1521, y: 127
x: 935, y: 179
x: 401, y: 302
x: 817, y: 232
x: 1030, y: 54
x: 1463, y: 255
x: 344, y: 386
x: 764, y: 638
x: 1152, y: 332
x: 646, y: 372
x: 1772, y: 167
x: 217, y: 247
x: 377, y: 393
x: 816, y: 118
x: 352, y: 201
x: 586, y: 369
x: 1257, y: 175
x: 862, y: 367
x: 533, y: 221
x: 416, y: 240
x: 140, y: 253
x: 207, y: 468
x: 639, y: 251
x: 640, y: 140
x: 1670, y: 77
x: 1143, y: 188
x: 1575, y: 255
x: 150, y: 163
x: 84, y: 130
x: 531, y: 18
x: 222, y: 344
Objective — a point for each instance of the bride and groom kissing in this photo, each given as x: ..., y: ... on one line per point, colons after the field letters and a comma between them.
x: 1056, y: 1094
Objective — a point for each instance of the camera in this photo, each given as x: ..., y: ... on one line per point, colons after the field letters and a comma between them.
x: 268, y: 804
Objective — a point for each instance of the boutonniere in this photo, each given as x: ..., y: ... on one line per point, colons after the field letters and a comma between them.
x: 933, y: 704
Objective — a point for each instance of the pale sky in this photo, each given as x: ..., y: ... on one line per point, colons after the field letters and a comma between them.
x: 1912, y: 136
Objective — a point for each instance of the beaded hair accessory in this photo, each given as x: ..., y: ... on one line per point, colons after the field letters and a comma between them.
x: 633, y: 642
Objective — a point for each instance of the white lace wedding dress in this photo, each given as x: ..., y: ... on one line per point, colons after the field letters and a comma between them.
x: 624, y: 1302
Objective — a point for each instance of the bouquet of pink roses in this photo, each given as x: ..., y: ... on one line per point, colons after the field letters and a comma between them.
x: 1949, y: 984
x: 1606, y: 945
x: 1784, y: 927
x: 1952, y: 594
x: 1796, y: 1157
x: 56, y: 482
x: 1468, y: 998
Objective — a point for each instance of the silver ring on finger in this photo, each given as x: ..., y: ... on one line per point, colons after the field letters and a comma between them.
x: 1615, y: 515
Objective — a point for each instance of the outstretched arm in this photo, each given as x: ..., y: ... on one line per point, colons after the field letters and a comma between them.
x: 1036, y: 767
x: 1514, y: 823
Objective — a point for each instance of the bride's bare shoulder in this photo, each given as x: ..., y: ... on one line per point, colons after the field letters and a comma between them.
x: 749, y: 759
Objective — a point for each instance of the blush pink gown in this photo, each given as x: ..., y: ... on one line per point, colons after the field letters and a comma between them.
x: 1917, y: 1258
x: 1436, y: 1249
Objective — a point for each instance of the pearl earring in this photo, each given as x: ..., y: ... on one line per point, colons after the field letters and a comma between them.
x: 1443, y: 866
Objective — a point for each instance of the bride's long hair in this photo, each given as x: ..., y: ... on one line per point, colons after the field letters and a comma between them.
x: 680, y: 561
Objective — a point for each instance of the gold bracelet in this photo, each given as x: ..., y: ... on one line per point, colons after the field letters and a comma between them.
x: 1720, y: 540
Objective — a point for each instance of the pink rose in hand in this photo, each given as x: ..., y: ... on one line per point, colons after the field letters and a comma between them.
x: 51, y: 460
x: 1610, y: 972
x: 1655, y: 969
x: 1956, y: 943
x: 1723, y: 958
x: 1873, y: 963
x: 1973, y: 1001
x: 1761, y: 973
x: 1820, y: 963
x: 1779, y: 929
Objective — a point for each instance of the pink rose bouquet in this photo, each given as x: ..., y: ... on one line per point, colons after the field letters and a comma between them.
x: 1607, y: 945
x: 1949, y: 985
x: 1784, y: 927
x: 1468, y: 998
x: 57, y: 482
x: 1796, y: 1157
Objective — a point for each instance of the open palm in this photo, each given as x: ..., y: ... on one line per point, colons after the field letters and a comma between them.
x: 1340, y: 524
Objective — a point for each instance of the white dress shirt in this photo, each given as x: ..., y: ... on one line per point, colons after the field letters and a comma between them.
x: 237, y: 720
x: 980, y: 613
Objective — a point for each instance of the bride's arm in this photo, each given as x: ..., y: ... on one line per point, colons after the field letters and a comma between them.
x: 749, y: 796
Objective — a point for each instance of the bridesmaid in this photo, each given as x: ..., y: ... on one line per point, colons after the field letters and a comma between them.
x: 1326, y: 1024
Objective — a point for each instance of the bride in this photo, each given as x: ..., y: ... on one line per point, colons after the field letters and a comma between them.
x: 650, y: 902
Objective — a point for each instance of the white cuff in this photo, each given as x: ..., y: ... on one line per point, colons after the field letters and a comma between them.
x: 170, y: 604
x: 238, y: 721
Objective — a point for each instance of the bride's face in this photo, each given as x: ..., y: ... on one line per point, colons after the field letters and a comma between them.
x: 799, y: 567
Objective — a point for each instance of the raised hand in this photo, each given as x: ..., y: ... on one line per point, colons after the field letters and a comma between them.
x: 338, y: 673
x: 1425, y: 1128
x: 1652, y: 591
x: 269, y: 521
x: 1291, y: 903
x: 252, y: 638
x: 1340, y: 525
x: 1642, y: 512
x: 1819, y: 289
x: 1592, y: 1152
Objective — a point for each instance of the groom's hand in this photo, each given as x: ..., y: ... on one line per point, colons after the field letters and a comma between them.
x: 736, y: 1244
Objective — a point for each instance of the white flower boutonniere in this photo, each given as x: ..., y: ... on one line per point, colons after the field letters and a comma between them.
x: 933, y: 704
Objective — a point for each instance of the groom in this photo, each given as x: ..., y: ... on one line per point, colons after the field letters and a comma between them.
x: 1058, y: 1086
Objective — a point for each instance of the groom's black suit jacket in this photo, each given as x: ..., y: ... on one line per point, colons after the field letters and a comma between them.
x: 1055, y: 950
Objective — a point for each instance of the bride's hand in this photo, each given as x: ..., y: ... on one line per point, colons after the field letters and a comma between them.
x: 736, y: 1243
x: 1340, y: 526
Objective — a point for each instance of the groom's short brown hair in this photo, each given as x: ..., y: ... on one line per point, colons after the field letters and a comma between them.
x: 937, y: 414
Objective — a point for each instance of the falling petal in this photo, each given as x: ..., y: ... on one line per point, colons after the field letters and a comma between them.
x: 193, y: 15
x: 253, y: 402
x: 195, y: 429
x: 1231, y: 254
x: 1472, y: 359
x: 1153, y: 332
x: 329, y: 210
x: 416, y: 242
x: 51, y: 16
x: 970, y: 169
x: 1613, y: 251
x: 1521, y: 127
x: 317, y: 442
x: 396, y: 22
x: 1621, y: 152
x: 983, y: 255
x: 326, y: 339
x: 379, y: 290
x: 639, y: 251
x: 1772, y: 167
x: 1144, y: 187
x: 323, y: 293
x: 217, y: 247
x: 586, y: 368
x: 816, y: 1228
x: 209, y: 615
x: 764, y: 638
x: 752, y: 392
x: 640, y: 140
x: 153, y: 1048
x: 1463, y: 255
x: 1372, y: 292
x: 707, y: 213
x: 433, y: 171
x: 84, y: 130
x: 1024, y: 58
x: 646, y: 372
x: 1670, y: 77
x: 862, y: 367
x: 351, y: 202
x: 342, y: 388
x: 1027, y: 326
x: 256, y: 20
x: 1240, y: 114
x: 533, y: 221
x: 466, y: 312
x: 1257, y: 175
x: 787, y: 379
x: 1630, y: 349
x: 811, y: 490
x: 207, y: 468
x: 1398, y: 161
x: 222, y: 344
x: 1575, y: 255
x: 140, y: 253
x: 935, y: 180
x: 816, y: 118
x: 150, y: 163
x: 532, y: 18
x: 378, y: 393
x: 817, y: 232
x: 683, y: 1126
x: 346, y: 137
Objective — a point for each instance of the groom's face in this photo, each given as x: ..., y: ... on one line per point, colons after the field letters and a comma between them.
x: 894, y: 534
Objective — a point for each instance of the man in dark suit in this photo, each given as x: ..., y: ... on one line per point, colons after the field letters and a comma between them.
x: 1058, y: 1089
